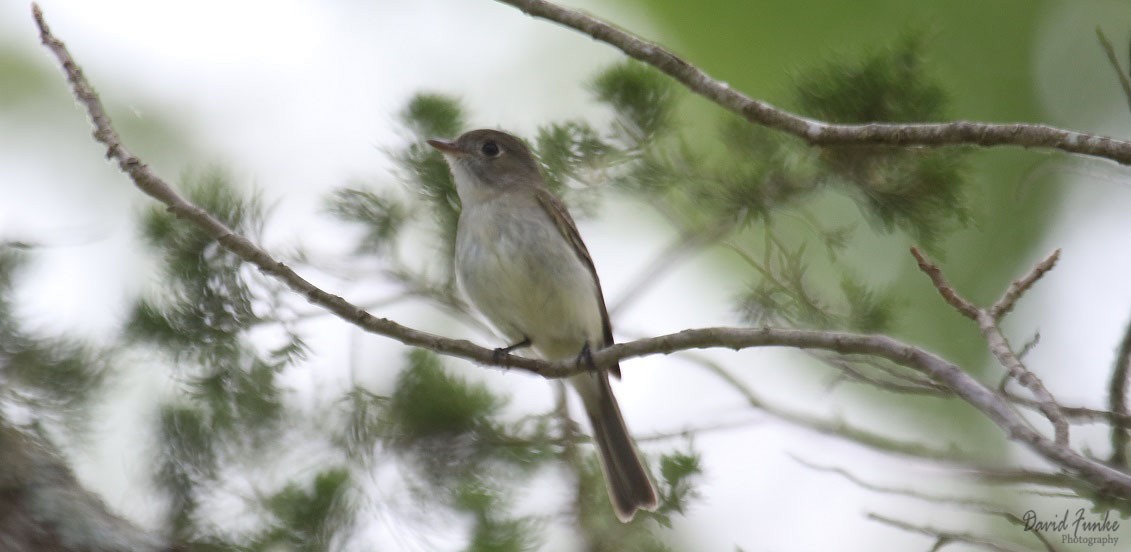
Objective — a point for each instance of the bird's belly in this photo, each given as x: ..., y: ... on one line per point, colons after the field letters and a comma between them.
x: 529, y: 284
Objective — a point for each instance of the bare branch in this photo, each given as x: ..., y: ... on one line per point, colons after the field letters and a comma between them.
x: 895, y: 380
x: 944, y: 537
x: 1001, y: 350
x: 1020, y: 476
x: 818, y: 132
x: 1029, y: 345
x: 883, y: 489
x: 826, y: 426
x: 1076, y: 414
x: 947, y: 291
x: 998, y: 344
x: 977, y: 505
x: 1117, y: 399
x: 1019, y: 286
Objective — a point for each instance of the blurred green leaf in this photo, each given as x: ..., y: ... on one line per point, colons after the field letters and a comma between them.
x: 433, y: 116
x: 568, y: 150
x: 379, y: 215
x: 641, y: 96
x: 918, y: 190
x: 308, y: 518
x: 429, y: 402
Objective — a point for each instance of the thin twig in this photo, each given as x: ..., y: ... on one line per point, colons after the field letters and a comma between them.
x: 818, y: 132
x: 895, y: 381
x: 1075, y: 414
x: 1018, y: 287
x: 974, y: 504
x: 826, y: 426
x: 964, y: 307
x: 882, y: 489
x: 1117, y: 399
x: 688, y: 432
x: 943, y: 537
x: 999, y: 347
x: 1017, y: 476
x: 1029, y: 345
x: 1124, y: 80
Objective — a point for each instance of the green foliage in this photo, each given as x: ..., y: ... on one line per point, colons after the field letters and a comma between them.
x: 56, y: 376
x: 678, y: 470
x: 361, y: 433
x: 379, y: 215
x: 600, y: 527
x: 429, y: 403
x: 451, y: 427
x: 206, y: 307
x: 201, y: 319
x: 239, y: 396
x: 188, y: 455
x: 641, y: 97
x: 423, y: 169
x: 308, y: 519
x: 493, y: 531
x: 433, y: 116
x: 570, y: 151
x: 920, y: 190
x: 206, y: 301
x: 869, y: 311
x: 890, y: 85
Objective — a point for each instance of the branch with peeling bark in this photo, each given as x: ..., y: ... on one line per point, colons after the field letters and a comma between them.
x: 993, y: 405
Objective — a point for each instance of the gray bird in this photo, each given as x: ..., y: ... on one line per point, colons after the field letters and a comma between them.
x: 521, y: 262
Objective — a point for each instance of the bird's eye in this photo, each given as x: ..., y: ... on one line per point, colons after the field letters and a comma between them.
x: 490, y: 149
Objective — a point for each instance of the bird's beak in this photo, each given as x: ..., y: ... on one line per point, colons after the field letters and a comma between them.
x: 445, y: 147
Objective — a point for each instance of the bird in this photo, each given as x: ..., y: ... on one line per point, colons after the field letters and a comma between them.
x: 521, y: 263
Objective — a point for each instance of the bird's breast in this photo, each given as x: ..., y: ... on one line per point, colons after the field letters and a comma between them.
x: 519, y: 271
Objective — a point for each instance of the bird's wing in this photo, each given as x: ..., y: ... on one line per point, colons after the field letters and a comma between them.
x: 568, y: 229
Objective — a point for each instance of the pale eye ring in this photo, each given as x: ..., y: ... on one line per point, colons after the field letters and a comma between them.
x: 490, y: 149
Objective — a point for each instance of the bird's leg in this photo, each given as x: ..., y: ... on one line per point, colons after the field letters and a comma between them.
x: 586, y: 357
x: 502, y: 352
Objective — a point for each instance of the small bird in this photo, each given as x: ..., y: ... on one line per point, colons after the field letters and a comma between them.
x: 521, y: 262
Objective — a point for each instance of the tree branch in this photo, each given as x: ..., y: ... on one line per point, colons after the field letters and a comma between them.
x: 817, y: 132
x: 999, y: 346
x: 1019, y: 286
x: 945, y: 537
x: 992, y: 405
x: 1117, y: 399
x: 952, y: 298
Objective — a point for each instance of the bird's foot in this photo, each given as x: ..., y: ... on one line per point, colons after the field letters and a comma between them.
x: 502, y: 352
x: 585, y: 357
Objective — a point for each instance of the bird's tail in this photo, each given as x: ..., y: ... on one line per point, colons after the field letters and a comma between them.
x: 629, y: 487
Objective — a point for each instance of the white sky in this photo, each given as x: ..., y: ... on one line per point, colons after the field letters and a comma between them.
x: 297, y: 97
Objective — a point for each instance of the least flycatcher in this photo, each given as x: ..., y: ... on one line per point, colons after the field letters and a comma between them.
x: 522, y: 264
